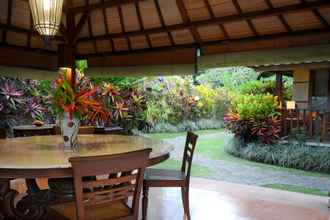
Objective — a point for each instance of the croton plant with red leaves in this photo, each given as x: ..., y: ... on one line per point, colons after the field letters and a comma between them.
x: 80, y: 101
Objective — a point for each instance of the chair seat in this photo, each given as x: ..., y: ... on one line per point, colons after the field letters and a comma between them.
x: 161, y: 177
x: 106, y: 211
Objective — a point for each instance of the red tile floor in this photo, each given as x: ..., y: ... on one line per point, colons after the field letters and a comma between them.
x: 215, y: 200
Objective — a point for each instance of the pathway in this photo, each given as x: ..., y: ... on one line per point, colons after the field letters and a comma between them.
x: 248, y: 174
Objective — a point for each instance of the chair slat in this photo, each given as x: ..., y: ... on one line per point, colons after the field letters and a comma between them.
x: 109, y: 191
x: 107, y: 182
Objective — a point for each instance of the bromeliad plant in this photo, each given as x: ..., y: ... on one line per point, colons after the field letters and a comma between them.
x: 80, y: 101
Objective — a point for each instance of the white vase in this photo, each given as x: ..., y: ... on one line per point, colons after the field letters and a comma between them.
x: 69, y: 131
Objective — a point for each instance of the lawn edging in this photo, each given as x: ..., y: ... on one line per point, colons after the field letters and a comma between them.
x: 298, y: 156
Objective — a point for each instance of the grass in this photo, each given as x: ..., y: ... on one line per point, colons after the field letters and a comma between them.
x: 213, y: 147
x: 196, y: 170
x: 299, y: 189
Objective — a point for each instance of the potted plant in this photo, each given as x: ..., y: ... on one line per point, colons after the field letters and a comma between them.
x: 75, y: 102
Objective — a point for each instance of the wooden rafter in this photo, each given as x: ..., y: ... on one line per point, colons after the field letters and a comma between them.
x: 318, y: 15
x: 138, y: 12
x: 221, y: 20
x: 82, y: 21
x: 122, y: 24
x: 8, y: 22
x: 306, y: 33
x: 212, y: 15
x: 105, y: 20
x: 281, y: 17
x: 186, y: 20
x: 89, y: 22
x: 239, y: 10
x: 162, y: 22
x: 100, y: 5
x: 25, y: 31
x: 28, y: 42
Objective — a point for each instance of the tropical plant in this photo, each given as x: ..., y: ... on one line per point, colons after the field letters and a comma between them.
x: 34, y: 109
x: 80, y: 102
x: 11, y: 96
x: 254, y: 118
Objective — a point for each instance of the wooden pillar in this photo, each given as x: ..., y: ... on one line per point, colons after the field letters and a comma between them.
x: 66, y: 58
x: 279, y: 88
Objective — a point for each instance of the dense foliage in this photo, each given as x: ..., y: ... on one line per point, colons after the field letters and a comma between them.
x: 298, y: 156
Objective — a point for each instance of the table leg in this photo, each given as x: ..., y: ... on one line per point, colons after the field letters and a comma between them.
x: 23, y: 209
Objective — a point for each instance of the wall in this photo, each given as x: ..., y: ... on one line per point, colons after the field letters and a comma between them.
x: 301, y: 85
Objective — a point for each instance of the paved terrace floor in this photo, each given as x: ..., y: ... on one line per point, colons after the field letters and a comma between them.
x: 217, y: 200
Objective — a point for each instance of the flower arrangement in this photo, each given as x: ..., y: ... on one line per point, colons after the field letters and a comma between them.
x: 74, y: 101
x: 80, y: 101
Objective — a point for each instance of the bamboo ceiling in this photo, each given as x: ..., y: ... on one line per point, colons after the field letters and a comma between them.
x: 125, y: 29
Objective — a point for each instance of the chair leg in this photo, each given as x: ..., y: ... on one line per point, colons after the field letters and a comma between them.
x: 185, y: 200
x: 145, y: 202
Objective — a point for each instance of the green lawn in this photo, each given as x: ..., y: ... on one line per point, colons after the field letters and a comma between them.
x: 197, y: 170
x: 214, y: 147
x: 297, y: 189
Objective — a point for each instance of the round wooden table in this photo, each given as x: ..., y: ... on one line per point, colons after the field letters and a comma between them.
x: 45, y: 157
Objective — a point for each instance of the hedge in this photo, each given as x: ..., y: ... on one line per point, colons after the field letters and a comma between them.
x: 299, y: 156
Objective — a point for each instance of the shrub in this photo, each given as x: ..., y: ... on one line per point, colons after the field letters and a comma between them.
x: 258, y: 87
x: 297, y: 156
x: 253, y: 117
x: 256, y: 107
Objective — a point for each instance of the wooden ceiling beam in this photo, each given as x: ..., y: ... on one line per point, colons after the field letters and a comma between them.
x: 8, y: 22
x: 16, y: 29
x: 318, y: 15
x: 221, y: 20
x: 212, y: 16
x: 239, y: 10
x: 105, y: 20
x: 89, y: 22
x: 306, y: 33
x: 100, y: 5
x: 122, y: 24
x: 162, y: 22
x: 138, y: 12
x: 280, y: 17
x: 186, y: 20
x: 78, y: 28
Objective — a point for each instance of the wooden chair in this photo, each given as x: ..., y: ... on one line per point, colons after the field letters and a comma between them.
x: 104, y: 198
x: 170, y: 178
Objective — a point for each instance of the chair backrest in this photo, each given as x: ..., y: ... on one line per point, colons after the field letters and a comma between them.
x: 129, y: 168
x: 188, y: 153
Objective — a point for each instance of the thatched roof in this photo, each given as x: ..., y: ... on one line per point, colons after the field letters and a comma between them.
x: 162, y: 32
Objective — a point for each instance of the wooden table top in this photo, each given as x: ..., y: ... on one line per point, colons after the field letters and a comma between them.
x: 47, y: 152
x: 33, y: 127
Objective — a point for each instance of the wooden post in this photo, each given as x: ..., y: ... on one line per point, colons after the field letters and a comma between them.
x: 279, y: 88
x: 66, y: 58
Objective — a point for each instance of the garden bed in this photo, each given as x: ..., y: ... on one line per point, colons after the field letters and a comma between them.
x: 298, y: 156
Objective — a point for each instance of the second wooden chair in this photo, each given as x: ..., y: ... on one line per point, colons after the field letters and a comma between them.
x: 170, y: 178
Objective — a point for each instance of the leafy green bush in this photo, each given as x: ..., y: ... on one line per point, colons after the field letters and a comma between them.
x: 297, y: 156
x: 253, y: 117
x: 256, y: 107
x: 258, y: 87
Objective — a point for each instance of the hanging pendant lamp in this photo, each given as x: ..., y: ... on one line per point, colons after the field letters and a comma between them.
x: 46, y: 16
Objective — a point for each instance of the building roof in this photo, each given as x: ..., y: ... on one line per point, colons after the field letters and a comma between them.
x: 162, y: 32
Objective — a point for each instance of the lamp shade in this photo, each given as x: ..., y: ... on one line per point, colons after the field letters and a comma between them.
x: 290, y: 105
x: 46, y: 16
